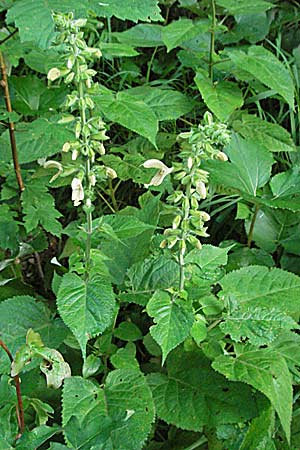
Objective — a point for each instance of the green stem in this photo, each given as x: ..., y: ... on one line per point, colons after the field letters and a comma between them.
x: 250, y: 234
x: 112, y: 194
x: 196, y: 444
x: 150, y: 65
x: 186, y: 213
x: 212, y: 39
x: 88, y: 212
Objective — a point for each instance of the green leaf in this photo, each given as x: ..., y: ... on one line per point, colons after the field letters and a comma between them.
x: 266, y: 372
x: 124, y: 358
x: 260, y: 432
x: 182, y: 30
x: 38, y: 208
x: 118, y: 416
x: 271, y: 135
x: 259, y: 325
x: 142, y: 35
x: 286, y: 184
x: 129, y: 10
x: 115, y: 50
x: 165, y: 103
x: 287, y: 346
x: 209, y: 257
x: 249, y: 167
x: 36, y: 437
x: 193, y: 395
x: 8, y: 228
x: 173, y: 320
x: 28, y: 313
x: 128, y: 331
x: 222, y: 98
x: 235, y: 7
x: 91, y: 366
x: 124, y: 227
x: 133, y: 114
x: 38, y: 139
x: 261, y: 287
x: 265, y: 67
x: 86, y: 306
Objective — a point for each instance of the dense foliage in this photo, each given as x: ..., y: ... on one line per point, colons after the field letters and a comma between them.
x: 149, y: 225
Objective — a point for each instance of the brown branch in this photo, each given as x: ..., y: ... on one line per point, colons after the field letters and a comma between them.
x: 19, y: 406
x: 11, y: 126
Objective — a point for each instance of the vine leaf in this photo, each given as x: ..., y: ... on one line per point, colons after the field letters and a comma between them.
x: 267, y: 372
x: 192, y: 386
x: 119, y: 415
x: 173, y: 318
x: 86, y: 306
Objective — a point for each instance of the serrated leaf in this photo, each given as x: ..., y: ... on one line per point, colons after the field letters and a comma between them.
x: 36, y: 437
x: 222, y: 98
x: 259, y: 325
x: 173, y: 320
x: 209, y: 257
x: 38, y: 139
x: 86, y: 306
x: 244, y: 6
x: 193, y: 395
x: 124, y: 227
x: 182, y: 30
x: 259, y: 286
x: 265, y: 67
x: 285, y: 184
x: 128, y: 331
x: 91, y: 366
x: 287, y: 346
x: 141, y: 35
x: 124, y: 358
x: 249, y: 167
x: 8, y: 228
x: 268, y: 134
x: 28, y: 313
x: 266, y: 372
x: 115, y: 49
x: 38, y: 208
x: 129, y: 10
x: 116, y: 416
x: 133, y: 114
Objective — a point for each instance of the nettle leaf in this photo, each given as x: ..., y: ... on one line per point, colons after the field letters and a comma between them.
x: 261, y: 287
x: 141, y: 35
x: 119, y: 415
x: 18, y: 314
x: 222, y: 98
x: 38, y: 208
x: 86, y: 306
x: 235, y: 7
x: 193, y: 395
x: 38, y: 139
x: 133, y: 114
x: 270, y: 135
x: 182, y: 30
x: 209, y: 257
x: 173, y: 320
x: 287, y: 345
x: 266, y: 372
x: 260, y: 432
x: 249, y: 167
x: 166, y: 104
x: 259, y: 325
x: 265, y: 67
x: 129, y: 10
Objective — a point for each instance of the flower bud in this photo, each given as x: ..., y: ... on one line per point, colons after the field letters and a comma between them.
x: 53, y: 74
x: 204, y: 216
x: 201, y: 189
x: 74, y: 155
x: 66, y: 147
x: 222, y: 156
x: 190, y: 162
x: 111, y: 173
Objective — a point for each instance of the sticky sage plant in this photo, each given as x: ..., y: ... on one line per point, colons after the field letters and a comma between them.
x: 199, y: 144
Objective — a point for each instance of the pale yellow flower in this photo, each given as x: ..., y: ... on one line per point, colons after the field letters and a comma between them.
x: 163, y: 171
x: 77, y: 191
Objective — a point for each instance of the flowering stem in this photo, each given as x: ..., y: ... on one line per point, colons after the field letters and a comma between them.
x: 88, y: 211
x: 212, y: 39
x: 182, y: 246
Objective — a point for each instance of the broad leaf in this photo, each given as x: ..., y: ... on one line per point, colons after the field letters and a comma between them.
x: 265, y: 371
x: 142, y: 35
x: 259, y: 286
x: 36, y: 437
x: 173, y: 320
x: 165, y: 103
x: 193, y: 395
x: 119, y: 415
x: 86, y: 306
x: 249, y: 167
x: 265, y: 67
x: 27, y: 313
x: 182, y: 30
x: 209, y: 257
x: 268, y: 134
x: 259, y: 325
x: 133, y: 114
x: 38, y: 139
x: 8, y: 228
x: 287, y: 346
x: 38, y: 207
x: 222, y: 98
x: 244, y: 6
x: 285, y: 184
x: 129, y: 10
x: 260, y: 433
x: 114, y: 49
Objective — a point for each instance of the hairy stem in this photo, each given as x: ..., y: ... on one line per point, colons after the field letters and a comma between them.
x: 11, y: 126
x: 19, y: 406
x: 251, y: 229
x: 212, y: 39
